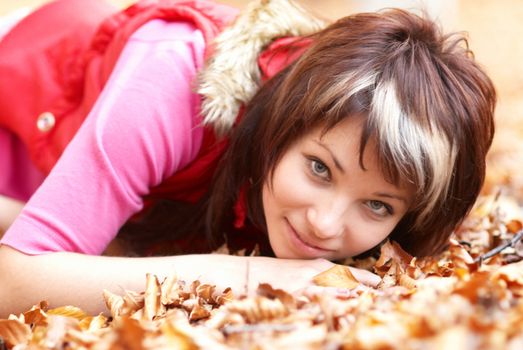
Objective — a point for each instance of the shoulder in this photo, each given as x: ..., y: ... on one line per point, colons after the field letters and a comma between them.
x: 162, y: 30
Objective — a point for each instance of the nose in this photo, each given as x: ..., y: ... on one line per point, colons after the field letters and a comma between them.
x: 327, y: 220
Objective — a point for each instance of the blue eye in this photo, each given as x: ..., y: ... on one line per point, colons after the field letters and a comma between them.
x: 319, y: 169
x: 379, y: 208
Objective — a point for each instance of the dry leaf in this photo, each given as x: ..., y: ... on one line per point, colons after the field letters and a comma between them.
x: 459, y: 253
x: 206, y: 291
x: 170, y: 291
x: 190, y: 304
x: 113, y: 302
x: 92, y: 324
x: 57, y: 328
x: 68, y: 311
x: 14, y: 332
x: 83, y: 339
x: 152, y: 303
x: 337, y: 276
x: 392, y: 275
x: 391, y: 251
x: 35, y: 316
x: 258, y: 309
x: 470, y: 288
x: 132, y: 302
x: 266, y: 290
x: 514, y: 226
x: 130, y: 333
x: 226, y: 296
x: 198, y: 312
x: 407, y: 282
x: 177, y: 339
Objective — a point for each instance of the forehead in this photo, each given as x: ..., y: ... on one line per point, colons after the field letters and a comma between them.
x: 344, y: 140
x: 344, y: 137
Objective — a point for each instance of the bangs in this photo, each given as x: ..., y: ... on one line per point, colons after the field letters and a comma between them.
x: 410, y: 150
x: 413, y: 151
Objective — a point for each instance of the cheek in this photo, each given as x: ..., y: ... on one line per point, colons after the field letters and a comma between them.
x: 364, y: 236
x: 290, y: 187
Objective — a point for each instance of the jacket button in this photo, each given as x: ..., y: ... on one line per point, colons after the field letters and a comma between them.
x: 45, y: 121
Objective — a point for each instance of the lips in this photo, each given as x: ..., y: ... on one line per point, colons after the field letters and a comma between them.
x: 303, y: 246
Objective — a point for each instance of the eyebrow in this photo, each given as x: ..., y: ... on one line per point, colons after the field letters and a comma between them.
x: 334, y: 159
x: 389, y: 195
x: 338, y: 165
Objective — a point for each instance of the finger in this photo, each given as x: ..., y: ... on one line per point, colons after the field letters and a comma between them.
x: 366, y: 277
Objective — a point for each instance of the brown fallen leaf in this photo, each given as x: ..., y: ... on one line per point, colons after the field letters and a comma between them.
x: 93, y: 323
x: 36, y: 316
x: 79, y: 338
x: 57, y: 330
x: 514, y: 226
x: 206, y: 291
x: 266, y: 290
x: 132, y: 302
x: 14, y: 332
x: 407, y: 281
x: 170, y: 291
x: 68, y: 311
x: 226, y: 296
x: 176, y: 339
x: 258, y: 309
x: 337, y: 276
x: 391, y: 277
x: 198, y: 312
x: 113, y: 302
x: 152, y: 303
x: 130, y: 334
x: 393, y: 251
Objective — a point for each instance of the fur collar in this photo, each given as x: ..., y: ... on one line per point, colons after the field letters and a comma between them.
x: 231, y: 76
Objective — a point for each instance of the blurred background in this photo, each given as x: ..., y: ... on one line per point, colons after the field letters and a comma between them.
x: 495, y: 31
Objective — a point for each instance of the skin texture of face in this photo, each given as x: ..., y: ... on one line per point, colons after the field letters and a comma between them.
x: 322, y: 204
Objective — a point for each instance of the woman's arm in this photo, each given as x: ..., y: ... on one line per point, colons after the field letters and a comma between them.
x: 77, y: 279
x: 9, y: 210
x: 143, y: 128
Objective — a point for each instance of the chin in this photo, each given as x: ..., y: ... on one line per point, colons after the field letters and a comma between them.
x: 282, y: 254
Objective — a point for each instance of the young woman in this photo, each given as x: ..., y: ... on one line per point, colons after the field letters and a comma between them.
x: 317, y: 144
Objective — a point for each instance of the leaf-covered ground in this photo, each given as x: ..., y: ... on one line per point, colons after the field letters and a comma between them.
x: 462, y: 299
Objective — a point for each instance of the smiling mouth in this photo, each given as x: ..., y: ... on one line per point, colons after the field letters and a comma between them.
x: 311, y: 247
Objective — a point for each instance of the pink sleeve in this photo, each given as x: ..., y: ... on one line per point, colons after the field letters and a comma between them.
x: 143, y: 128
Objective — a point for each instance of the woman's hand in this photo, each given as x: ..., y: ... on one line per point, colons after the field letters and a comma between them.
x: 365, y: 277
x: 297, y: 275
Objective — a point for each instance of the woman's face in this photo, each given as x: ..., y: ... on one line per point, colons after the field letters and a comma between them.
x: 322, y: 204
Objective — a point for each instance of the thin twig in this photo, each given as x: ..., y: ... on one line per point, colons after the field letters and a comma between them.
x: 517, y: 237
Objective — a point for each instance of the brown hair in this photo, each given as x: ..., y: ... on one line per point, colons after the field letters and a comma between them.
x: 425, y: 100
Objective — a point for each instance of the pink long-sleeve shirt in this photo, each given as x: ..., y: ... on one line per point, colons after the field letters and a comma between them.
x: 143, y: 128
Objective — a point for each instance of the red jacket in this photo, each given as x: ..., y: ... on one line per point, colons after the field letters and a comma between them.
x: 55, y: 63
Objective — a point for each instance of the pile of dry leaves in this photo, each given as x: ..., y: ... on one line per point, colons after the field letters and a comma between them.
x: 470, y: 297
